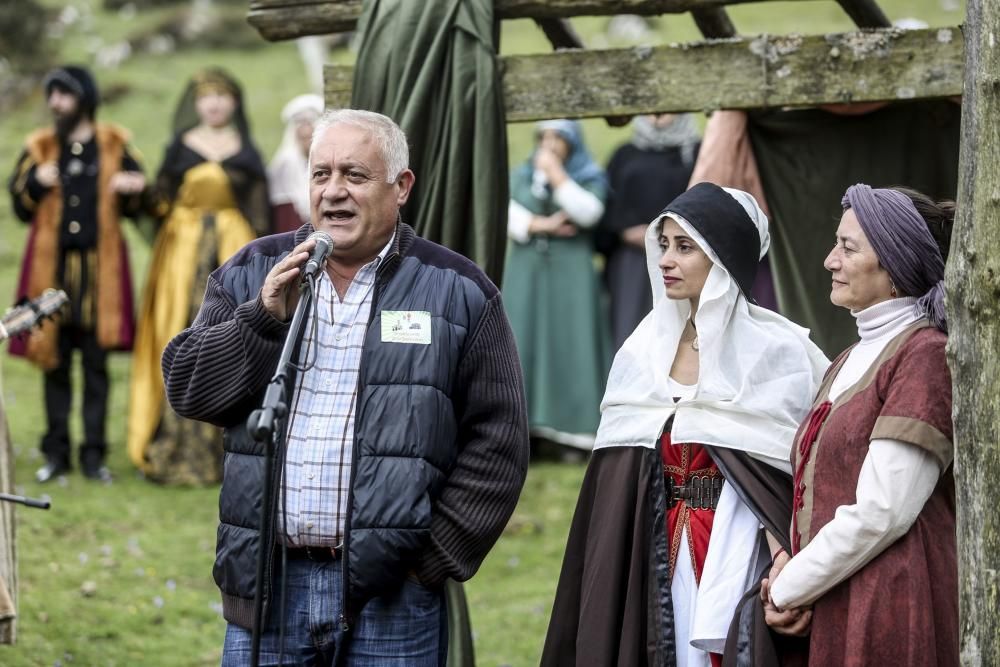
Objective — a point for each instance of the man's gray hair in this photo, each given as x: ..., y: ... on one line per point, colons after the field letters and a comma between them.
x: 389, y: 138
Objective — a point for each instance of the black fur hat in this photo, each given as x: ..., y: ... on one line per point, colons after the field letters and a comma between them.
x: 77, y: 81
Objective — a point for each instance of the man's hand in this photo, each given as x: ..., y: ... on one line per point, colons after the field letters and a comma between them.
x: 794, y: 622
x: 47, y: 174
x: 280, y: 291
x: 128, y: 182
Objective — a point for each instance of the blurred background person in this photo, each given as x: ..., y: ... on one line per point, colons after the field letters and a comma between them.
x: 288, y: 172
x: 73, y: 181
x: 210, y: 200
x: 643, y: 175
x: 551, y: 288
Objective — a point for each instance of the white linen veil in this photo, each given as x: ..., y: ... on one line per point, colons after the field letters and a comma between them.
x: 758, y: 371
x: 288, y: 171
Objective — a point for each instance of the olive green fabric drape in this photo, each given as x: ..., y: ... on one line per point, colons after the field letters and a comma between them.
x: 808, y: 158
x: 432, y: 67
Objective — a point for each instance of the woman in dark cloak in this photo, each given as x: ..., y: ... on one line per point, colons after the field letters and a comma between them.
x: 687, y: 493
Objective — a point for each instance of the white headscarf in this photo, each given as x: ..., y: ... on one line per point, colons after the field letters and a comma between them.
x: 288, y: 173
x: 758, y: 372
x: 682, y: 132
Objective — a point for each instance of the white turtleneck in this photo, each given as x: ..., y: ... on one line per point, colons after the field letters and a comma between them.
x: 895, y: 482
x: 877, y: 325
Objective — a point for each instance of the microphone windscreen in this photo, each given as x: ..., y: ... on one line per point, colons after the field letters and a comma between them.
x: 321, y: 237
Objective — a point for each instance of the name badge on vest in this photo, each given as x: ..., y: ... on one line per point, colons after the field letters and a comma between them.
x: 406, y: 326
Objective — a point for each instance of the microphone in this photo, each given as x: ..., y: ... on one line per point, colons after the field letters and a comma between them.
x: 324, y: 246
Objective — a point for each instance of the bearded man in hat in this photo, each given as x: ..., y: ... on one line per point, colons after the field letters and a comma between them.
x: 73, y: 182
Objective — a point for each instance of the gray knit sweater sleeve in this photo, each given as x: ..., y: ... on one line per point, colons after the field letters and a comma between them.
x: 483, y: 488
x: 212, y: 369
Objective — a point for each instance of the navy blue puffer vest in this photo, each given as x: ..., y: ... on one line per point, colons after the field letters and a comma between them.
x: 405, y: 440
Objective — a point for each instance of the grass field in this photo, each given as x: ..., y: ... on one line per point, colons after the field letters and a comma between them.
x: 121, y: 574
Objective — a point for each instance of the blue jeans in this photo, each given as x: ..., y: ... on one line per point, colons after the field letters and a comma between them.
x: 408, y: 627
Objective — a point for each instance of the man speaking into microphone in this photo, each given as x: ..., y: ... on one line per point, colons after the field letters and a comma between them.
x: 406, y: 443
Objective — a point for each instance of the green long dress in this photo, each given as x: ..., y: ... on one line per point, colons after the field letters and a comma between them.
x: 553, y: 298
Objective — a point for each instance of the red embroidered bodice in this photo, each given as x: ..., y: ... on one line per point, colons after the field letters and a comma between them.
x: 681, y: 463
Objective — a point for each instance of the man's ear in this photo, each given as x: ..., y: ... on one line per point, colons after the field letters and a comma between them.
x: 405, y: 185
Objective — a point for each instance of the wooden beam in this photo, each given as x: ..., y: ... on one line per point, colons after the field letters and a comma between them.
x: 740, y: 73
x: 972, y: 282
x: 288, y: 19
x: 865, y: 13
x: 561, y: 35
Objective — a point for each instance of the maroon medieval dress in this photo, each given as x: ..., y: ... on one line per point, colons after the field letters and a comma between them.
x: 901, y: 608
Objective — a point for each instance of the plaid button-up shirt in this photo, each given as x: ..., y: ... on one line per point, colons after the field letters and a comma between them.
x: 320, y: 439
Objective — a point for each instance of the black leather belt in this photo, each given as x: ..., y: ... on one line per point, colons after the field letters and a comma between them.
x: 315, y: 554
x: 699, y: 493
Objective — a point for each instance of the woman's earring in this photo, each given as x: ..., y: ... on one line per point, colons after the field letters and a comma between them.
x: 892, y: 290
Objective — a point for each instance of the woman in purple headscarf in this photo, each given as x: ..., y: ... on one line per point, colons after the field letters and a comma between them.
x: 873, y: 575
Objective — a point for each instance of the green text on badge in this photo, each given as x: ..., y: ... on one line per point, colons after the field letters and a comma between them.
x: 406, y: 326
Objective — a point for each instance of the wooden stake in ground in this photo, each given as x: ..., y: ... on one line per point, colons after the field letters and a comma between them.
x: 973, y: 280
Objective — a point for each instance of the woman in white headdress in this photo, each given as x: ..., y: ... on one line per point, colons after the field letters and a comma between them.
x: 687, y: 497
x: 288, y: 173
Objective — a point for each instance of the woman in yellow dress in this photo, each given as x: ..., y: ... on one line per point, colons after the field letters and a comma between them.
x: 210, y: 199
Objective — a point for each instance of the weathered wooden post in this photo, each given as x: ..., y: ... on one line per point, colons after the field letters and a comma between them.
x: 973, y: 280
x: 8, y: 534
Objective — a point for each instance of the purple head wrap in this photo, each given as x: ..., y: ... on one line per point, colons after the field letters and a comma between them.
x: 903, y: 244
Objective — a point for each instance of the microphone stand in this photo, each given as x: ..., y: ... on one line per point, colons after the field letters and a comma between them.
x: 30, y: 502
x: 262, y: 426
